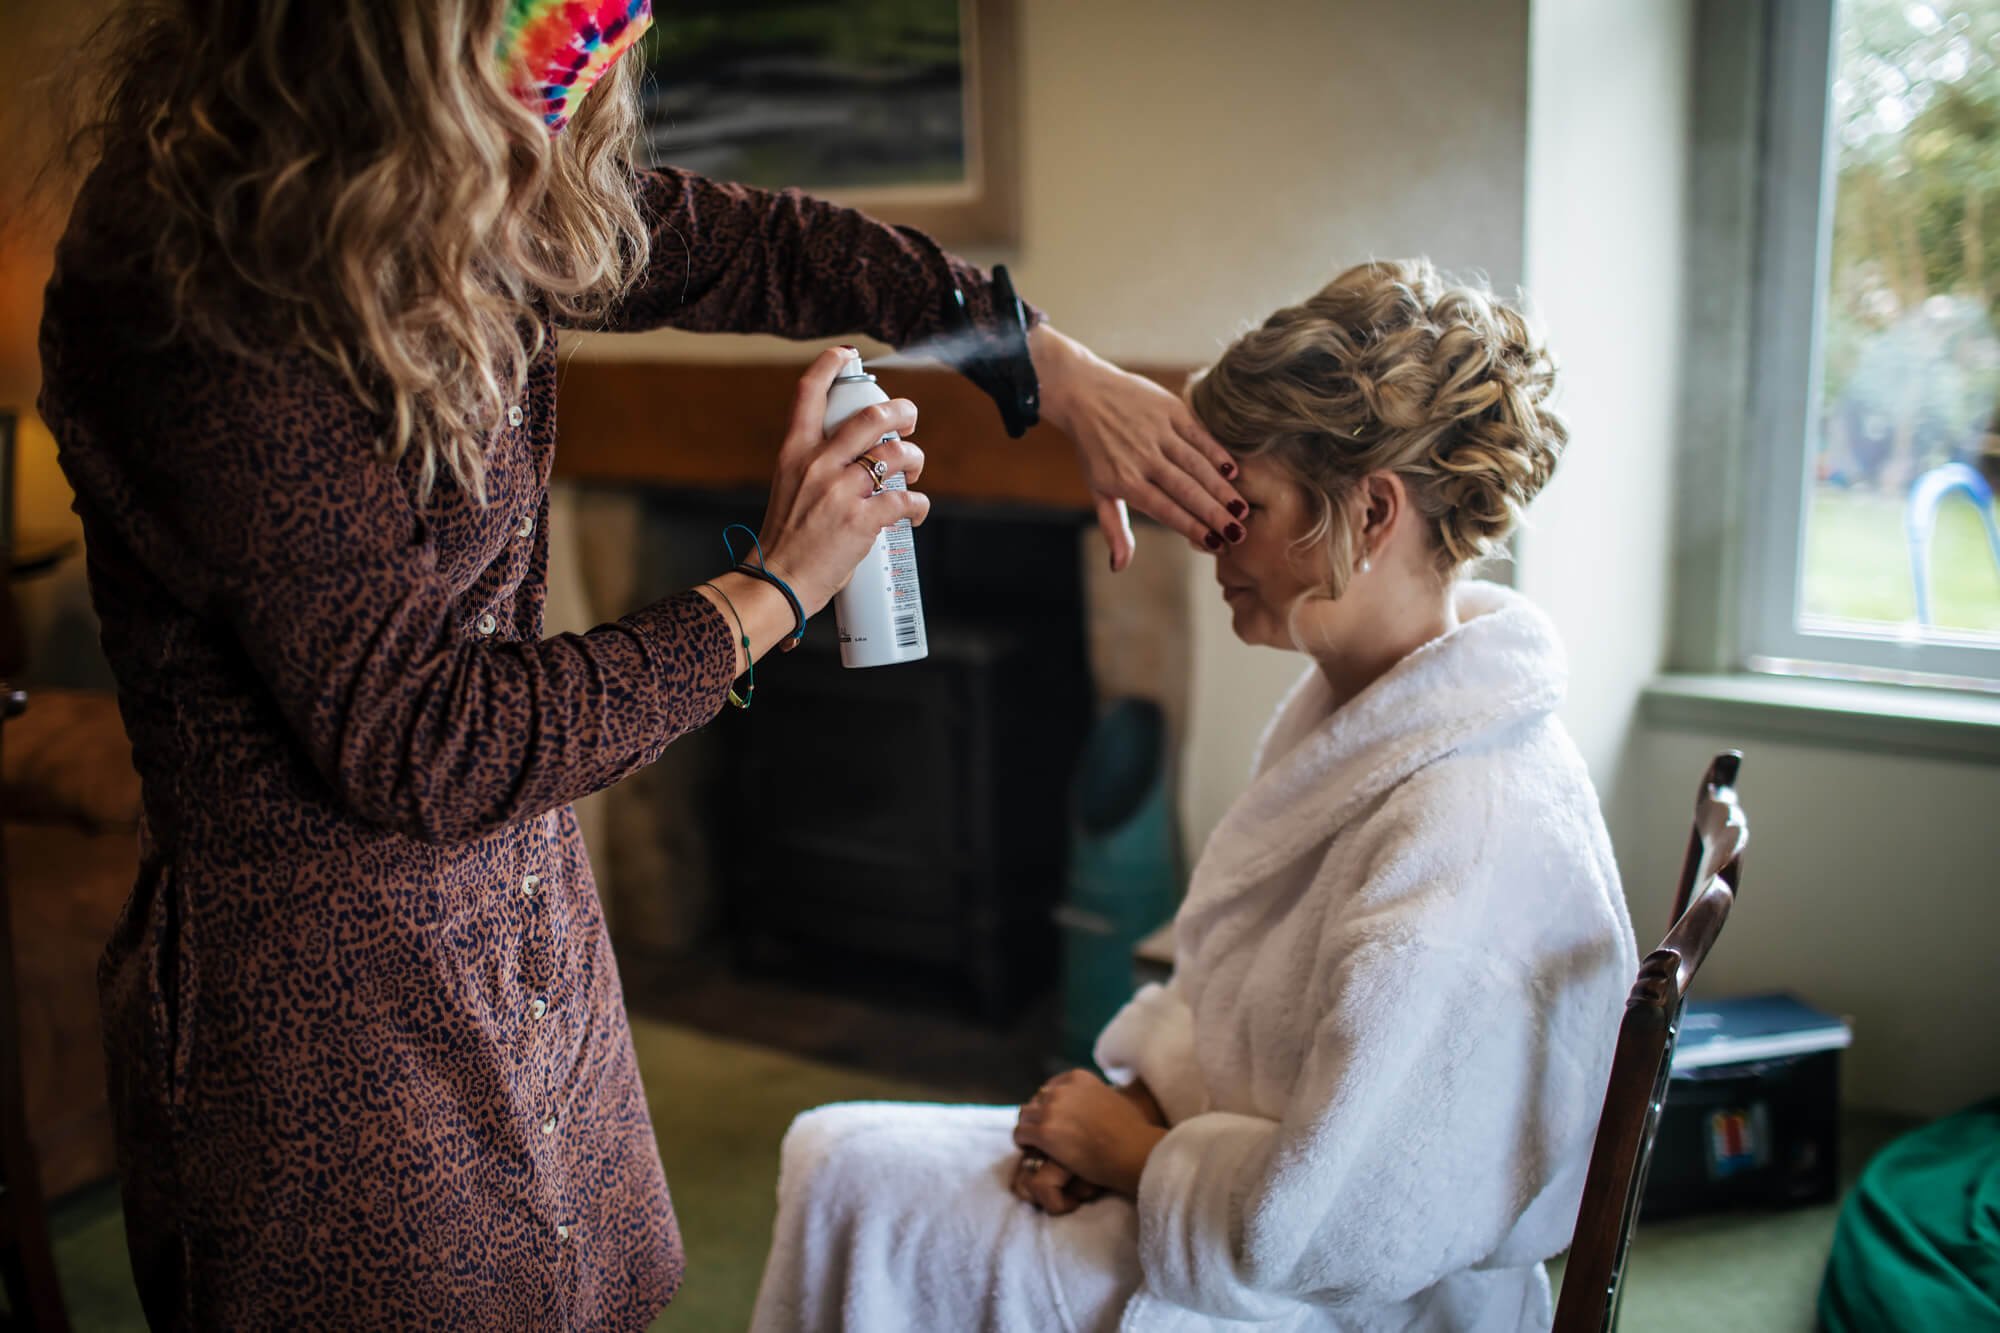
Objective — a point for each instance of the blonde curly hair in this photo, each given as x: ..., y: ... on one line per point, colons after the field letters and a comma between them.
x: 1389, y: 369
x: 354, y: 178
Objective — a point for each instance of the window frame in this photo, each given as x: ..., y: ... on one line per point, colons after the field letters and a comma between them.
x: 1797, y: 179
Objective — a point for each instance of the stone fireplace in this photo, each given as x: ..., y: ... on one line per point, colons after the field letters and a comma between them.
x: 907, y: 817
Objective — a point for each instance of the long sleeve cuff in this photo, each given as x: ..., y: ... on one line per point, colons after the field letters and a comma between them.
x: 693, y: 656
x: 1191, y: 1236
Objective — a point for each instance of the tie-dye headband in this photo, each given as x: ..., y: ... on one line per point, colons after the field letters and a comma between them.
x: 554, y: 50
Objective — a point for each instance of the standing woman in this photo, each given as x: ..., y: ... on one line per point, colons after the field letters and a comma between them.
x: 368, y: 1054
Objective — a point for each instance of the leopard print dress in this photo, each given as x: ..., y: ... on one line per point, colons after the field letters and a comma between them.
x: 368, y: 1055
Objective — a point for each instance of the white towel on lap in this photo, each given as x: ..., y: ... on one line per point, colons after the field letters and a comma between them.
x: 898, y: 1217
x: 1398, y: 976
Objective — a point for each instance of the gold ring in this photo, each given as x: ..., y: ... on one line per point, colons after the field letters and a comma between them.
x: 876, y: 469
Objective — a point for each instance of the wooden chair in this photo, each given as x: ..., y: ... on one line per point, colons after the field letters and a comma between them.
x: 27, y: 1264
x: 1638, y: 1086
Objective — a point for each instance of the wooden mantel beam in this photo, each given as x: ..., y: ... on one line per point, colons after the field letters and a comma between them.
x: 691, y: 426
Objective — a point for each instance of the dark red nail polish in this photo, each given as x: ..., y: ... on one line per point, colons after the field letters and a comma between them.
x: 1238, y: 508
x: 1211, y: 541
x: 1234, y: 532
x: 1228, y: 470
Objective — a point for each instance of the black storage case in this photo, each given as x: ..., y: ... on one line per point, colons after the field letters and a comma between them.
x: 1752, y: 1117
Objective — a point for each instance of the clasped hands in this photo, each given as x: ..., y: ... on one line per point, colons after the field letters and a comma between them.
x: 1081, y: 1137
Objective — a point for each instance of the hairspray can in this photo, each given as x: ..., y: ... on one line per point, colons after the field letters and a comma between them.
x: 880, y: 612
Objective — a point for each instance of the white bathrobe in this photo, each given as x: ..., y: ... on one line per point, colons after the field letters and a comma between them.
x: 1398, y: 977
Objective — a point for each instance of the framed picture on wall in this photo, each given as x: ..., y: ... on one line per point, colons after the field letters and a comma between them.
x: 904, y: 108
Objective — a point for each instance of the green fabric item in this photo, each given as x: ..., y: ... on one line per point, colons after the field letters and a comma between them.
x: 1124, y: 867
x: 1918, y: 1242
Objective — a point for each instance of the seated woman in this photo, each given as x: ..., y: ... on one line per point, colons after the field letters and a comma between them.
x: 1366, y: 1098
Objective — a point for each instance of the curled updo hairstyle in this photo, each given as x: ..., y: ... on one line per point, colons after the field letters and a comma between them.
x: 1387, y: 369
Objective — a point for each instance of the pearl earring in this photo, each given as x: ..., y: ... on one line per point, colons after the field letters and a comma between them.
x: 1365, y: 566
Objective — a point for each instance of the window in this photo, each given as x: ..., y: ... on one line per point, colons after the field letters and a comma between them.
x: 1874, y: 546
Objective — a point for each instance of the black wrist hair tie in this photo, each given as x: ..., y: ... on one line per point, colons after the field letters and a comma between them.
x: 1002, y: 367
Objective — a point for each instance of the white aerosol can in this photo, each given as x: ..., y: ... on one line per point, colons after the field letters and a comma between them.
x: 881, y: 611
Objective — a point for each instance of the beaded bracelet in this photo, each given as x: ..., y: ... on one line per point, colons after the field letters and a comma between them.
x: 740, y: 700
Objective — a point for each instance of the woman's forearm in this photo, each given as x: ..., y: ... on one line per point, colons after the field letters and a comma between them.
x: 1060, y: 365
x: 1142, y: 1097
x: 1135, y: 1149
x: 754, y: 610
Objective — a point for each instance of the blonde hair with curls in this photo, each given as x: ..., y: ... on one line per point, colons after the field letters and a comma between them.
x: 1388, y: 369
x: 353, y: 177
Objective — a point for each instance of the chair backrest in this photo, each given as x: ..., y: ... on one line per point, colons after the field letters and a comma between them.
x: 1637, y: 1089
x: 1715, y: 846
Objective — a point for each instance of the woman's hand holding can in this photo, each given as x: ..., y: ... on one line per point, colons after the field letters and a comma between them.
x: 824, y: 511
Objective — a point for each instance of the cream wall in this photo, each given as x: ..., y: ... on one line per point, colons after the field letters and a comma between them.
x: 1868, y: 888
x: 1232, y: 158
x: 1607, y: 151
x: 1189, y: 167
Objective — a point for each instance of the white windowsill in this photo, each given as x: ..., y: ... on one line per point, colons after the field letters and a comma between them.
x: 1896, y: 719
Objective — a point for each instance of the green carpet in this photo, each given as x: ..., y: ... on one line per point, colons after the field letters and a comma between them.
x: 721, y: 1108
x: 1732, y: 1273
